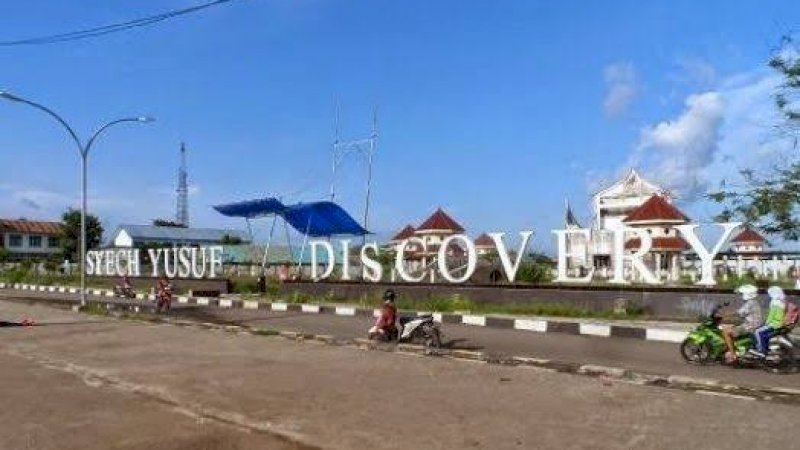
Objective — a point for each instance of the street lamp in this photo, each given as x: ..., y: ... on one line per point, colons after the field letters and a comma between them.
x: 84, y: 152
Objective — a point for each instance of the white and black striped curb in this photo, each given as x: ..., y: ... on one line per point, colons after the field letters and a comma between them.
x: 606, y: 373
x: 533, y: 325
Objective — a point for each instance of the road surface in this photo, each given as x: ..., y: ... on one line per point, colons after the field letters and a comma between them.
x: 634, y: 354
x: 78, y: 382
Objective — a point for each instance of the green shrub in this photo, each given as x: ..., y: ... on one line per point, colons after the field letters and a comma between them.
x: 244, y: 285
x: 299, y: 297
x: 535, y: 272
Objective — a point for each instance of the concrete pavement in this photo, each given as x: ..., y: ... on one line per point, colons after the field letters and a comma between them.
x: 332, y: 397
x: 637, y: 355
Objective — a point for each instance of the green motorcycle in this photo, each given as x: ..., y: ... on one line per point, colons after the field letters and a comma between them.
x: 705, y: 345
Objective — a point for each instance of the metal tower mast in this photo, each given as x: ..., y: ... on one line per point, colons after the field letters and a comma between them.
x: 365, y: 147
x: 182, y: 211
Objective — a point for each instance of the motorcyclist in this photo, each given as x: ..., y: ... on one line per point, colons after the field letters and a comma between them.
x: 775, y: 320
x: 387, y: 317
x: 164, y: 295
x: 750, y: 312
x: 125, y: 287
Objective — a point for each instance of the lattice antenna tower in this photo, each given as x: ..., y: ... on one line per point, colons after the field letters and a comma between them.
x: 182, y: 209
x: 365, y: 147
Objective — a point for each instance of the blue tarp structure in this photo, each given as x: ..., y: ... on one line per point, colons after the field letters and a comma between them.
x: 322, y: 219
x: 315, y: 219
x: 252, y: 209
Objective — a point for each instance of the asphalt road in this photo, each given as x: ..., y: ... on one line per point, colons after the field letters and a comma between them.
x: 634, y: 354
x: 639, y: 355
x: 79, y: 382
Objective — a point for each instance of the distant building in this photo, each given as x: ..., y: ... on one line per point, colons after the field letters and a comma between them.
x: 30, y: 239
x: 401, y: 236
x: 658, y: 217
x: 748, y: 241
x: 484, y: 245
x: 137, y: 235
x: 433, y: 231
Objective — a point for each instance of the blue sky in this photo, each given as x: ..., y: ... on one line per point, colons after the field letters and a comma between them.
x: 496, y: 111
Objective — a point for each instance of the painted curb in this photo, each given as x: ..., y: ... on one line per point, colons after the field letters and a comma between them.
x: 652, y: 334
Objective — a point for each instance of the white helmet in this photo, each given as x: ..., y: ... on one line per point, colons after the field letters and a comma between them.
x: 776, y: 293
x: 747, y: 291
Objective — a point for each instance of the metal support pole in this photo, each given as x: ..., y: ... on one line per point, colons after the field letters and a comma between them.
x: 84, y: 158
x: 84, y: 153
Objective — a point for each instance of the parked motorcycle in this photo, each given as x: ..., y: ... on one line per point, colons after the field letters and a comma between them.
x: 122, y: 291
x: 705, y: 345
x: 422, y: 330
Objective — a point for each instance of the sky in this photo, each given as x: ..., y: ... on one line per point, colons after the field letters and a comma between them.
x: 497, y: 112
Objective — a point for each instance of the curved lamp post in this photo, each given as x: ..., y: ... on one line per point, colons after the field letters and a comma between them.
x: 84, y: 152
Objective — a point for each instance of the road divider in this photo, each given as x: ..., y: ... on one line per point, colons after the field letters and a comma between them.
x: 589, y: 328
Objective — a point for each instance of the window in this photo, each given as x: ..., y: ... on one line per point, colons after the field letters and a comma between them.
x: 52, y: 242
x: 35, y: 241
x: 666, y: 231
x: 14, y: 240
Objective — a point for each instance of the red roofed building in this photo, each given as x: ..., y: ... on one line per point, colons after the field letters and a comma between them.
x: 748, y: 241
x: 439, y: 223
x: 656, y: 210
x: 438, y: 227
x: 403, y: 234
x: 27, y: 238
x: 657, y: 217
x: 484, y: 245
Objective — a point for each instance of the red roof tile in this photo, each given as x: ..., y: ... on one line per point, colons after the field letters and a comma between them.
x: 656, y: 209
x: 30, y: 227
x: 748, y: 235
x: 440, y: 221
x: 484, y: 241
x: 659, y: 243
x: 404, y: 234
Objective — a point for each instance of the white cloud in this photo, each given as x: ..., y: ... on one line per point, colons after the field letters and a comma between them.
x: 622, y: 87
x: 718, y: 133
x: 676, y: 151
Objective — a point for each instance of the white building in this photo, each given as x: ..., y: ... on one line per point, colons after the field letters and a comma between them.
x: 30, y: 239
x: 638, y: 203
x: 136, y: 235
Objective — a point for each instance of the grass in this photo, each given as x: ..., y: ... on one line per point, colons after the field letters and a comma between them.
x: 458, y: 303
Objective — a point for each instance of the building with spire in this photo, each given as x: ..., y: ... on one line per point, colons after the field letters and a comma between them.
x: 636, y: 202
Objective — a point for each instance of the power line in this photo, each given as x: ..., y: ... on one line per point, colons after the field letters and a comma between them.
x: 114, y: 28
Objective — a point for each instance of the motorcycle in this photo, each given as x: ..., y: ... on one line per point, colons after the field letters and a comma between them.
x: 122, y: 291
x: 706, y: 345
x: 421, y: 330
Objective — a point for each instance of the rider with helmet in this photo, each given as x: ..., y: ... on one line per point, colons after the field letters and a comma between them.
x: 385, y: 325
x: 750, y: 312
x: 775, y: 320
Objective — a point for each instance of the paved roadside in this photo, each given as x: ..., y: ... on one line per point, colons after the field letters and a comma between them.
x: 633, y: 354
x: 342, y: 398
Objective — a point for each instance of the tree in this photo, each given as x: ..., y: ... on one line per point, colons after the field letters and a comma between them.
x: 771, y: 201
x: 71, y: 232
x: 787, y: 63
x: 167, y: 223
x: 4, y: 255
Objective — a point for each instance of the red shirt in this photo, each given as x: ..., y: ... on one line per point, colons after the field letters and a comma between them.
x: 388, y: 317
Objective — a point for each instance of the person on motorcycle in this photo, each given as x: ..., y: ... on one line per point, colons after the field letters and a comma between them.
x: 752, y: 317
x: 387, y: 318
x: 164, y: 295
x: 775, y: 320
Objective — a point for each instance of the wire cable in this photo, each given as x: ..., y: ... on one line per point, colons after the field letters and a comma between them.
x: 113, y: 28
